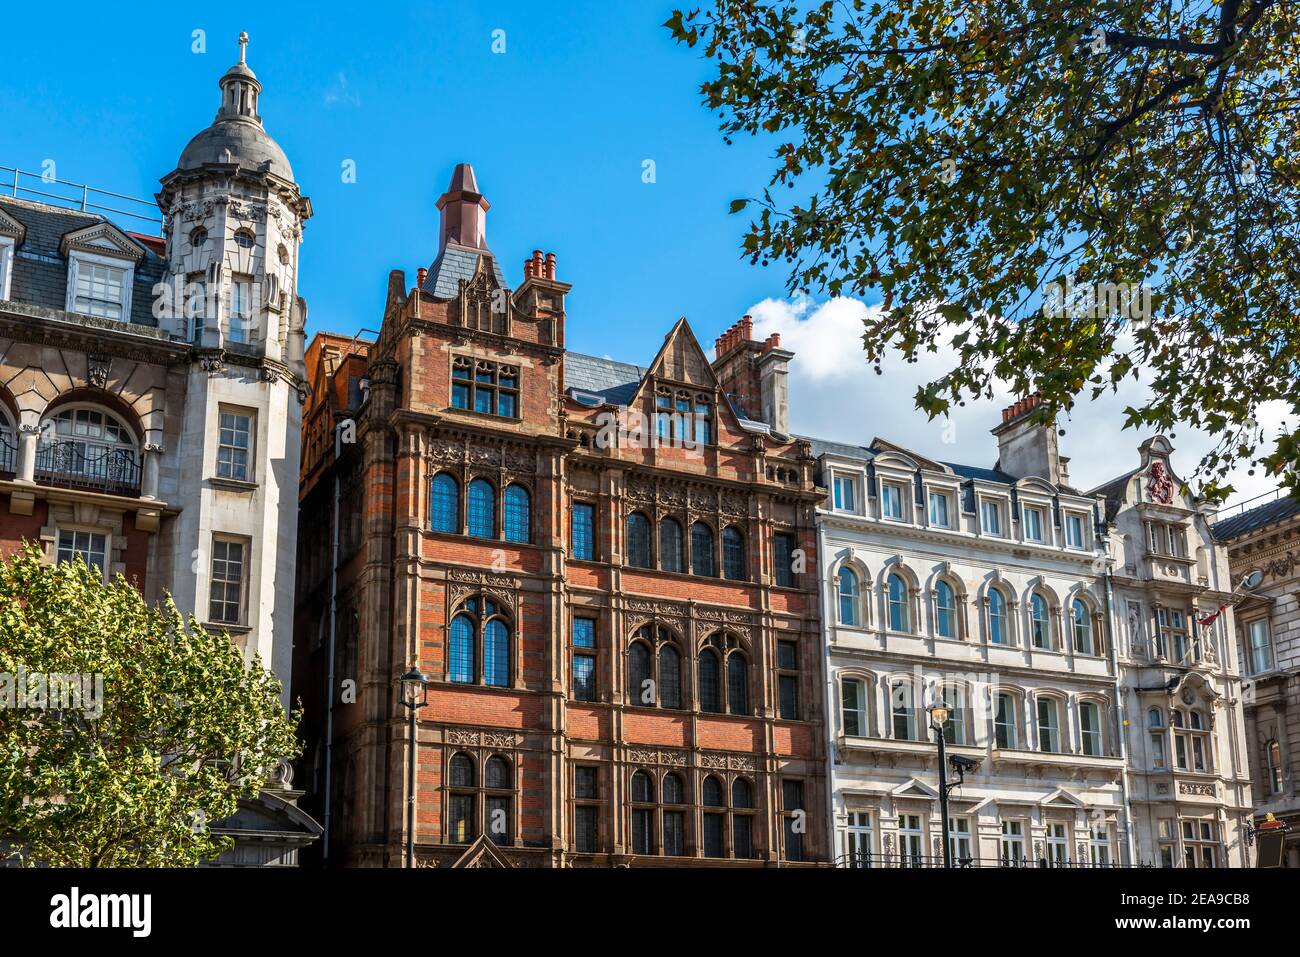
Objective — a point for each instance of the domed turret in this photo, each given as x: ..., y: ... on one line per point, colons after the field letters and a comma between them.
x: 236, y: 134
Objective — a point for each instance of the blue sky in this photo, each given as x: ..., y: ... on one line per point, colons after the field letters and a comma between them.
x: 557, y: 128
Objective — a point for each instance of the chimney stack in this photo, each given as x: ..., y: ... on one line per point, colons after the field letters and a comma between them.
x: 1027, y: 446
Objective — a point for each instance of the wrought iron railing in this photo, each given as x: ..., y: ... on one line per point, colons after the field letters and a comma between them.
x: 8, y: 452
x: 79, y: 465
x: 873, y: 859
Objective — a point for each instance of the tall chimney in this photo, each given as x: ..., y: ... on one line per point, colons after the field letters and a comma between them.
x: 1027, y: 446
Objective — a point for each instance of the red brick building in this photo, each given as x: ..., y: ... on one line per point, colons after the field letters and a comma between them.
x: 599, y: 566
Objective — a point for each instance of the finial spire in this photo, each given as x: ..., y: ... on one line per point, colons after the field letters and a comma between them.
x: 243, y: 46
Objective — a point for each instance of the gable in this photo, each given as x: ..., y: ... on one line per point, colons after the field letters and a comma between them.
x: 12, y: 228
x: 682, y: 360
x: 103, y: 238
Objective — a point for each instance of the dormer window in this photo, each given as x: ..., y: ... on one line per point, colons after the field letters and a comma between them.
x: 6, y: 265
x: 1075, y: 531
x: 100, y: 290
x: 991, y: 516
x: 244, y: 239
x: 846, y: 493
x: 939, y: 510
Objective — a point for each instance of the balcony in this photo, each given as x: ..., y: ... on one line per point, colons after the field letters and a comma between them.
x: 83, y: 465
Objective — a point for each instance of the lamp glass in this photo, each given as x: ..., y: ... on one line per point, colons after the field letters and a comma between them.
x: 413, y: 684
x: 939, y: 714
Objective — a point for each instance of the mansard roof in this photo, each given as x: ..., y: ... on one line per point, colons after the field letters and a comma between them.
x: 1261, y: 515
x: 40, y: 268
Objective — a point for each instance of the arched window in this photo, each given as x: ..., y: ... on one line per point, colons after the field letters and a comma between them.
x: 1006, y: 727
x: 945, y: 610
x: 461, y: 771
x: 670, y: 545
x: 638, y: 541
x: 1040, y: 625
x: 444, y: 503
x: 518, y: 520
x: 742, y: 793
x: 711, y: 793
x: 643, y: 788
x: 999, y: 632
x: 737, y: 684
x: 670, y: 677
x: 673, y: 789
x: 479, y: 633
x: 1082, y: 623
x: 496, y: 654
x: 496, y: 773
x: 643, y: 792
x: 88, y: 446
x: 902, y: 711
x: 482, y: 509
x: 8, y: 444
x: 898, y: 616
x: 461, y: 799
x: 733, y: 554
x: 638, y: 673
x: 702, y: 550
x: 849, y: 597
x: 710, y: 682
x: 1154, y: 720
x: 461, y: 655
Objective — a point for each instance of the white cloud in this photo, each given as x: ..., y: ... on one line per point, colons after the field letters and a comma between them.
x: 836, y: 395
x: 341, y: 93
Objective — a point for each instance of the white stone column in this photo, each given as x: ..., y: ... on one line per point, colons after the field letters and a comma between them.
x: 149, y: 482
x: 27, y: 440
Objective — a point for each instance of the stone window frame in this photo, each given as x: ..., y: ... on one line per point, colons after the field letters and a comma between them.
x: 86, y: 517
x: 8, y: 252
x: 77, y: 257
x: 479, y: 792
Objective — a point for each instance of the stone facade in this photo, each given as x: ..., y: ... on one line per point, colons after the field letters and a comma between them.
x: 623, y: 660
x: 151, y: 387
x: 1073, y: 633
x: 1170, y: 591
x: 1266, y: 539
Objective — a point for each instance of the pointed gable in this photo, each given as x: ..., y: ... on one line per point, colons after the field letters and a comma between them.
x: 682, y: 360
x: 104, y: 239
x: 482, y: 853
x: 12, y: 228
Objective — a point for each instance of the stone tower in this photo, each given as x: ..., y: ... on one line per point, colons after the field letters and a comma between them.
x: 235, y: 218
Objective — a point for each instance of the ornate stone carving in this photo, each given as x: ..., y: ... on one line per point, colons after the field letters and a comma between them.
x: 441, y: 450
x: 461, y: 736
x: 97, y: 368
x: 1160, y: 485
x: 213, y: 363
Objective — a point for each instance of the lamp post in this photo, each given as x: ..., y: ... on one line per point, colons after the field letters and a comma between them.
x: 415, y: 695
x: 938, y: 718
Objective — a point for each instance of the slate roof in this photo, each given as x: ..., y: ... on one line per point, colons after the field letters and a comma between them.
x: 615, y: 382
x: 453, y: 264
x: 984, y: 475
x: 40, y: 272
x: 1255, y: 518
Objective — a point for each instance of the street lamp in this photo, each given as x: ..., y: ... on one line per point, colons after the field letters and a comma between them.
x: 415, y: 695
x: 938, y: 718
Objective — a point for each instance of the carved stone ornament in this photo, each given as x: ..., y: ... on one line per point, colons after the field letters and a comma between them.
x: 213, y: 363
x: 97, y: 368
x: 1160, y: 485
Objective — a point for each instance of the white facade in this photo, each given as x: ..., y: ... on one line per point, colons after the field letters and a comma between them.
x: 1189, y: 771
x: 234, y: 224
x: 992, y: 590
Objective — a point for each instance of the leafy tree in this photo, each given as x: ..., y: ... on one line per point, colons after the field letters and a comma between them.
x: 961, y: 157
x: 185, y: 731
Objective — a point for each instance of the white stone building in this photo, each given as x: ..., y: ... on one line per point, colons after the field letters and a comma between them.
x: 1189, y: 772
x: 999, y: 592
x: 978, y: 586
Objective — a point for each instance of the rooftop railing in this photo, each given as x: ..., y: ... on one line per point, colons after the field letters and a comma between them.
x: 25, y: 184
